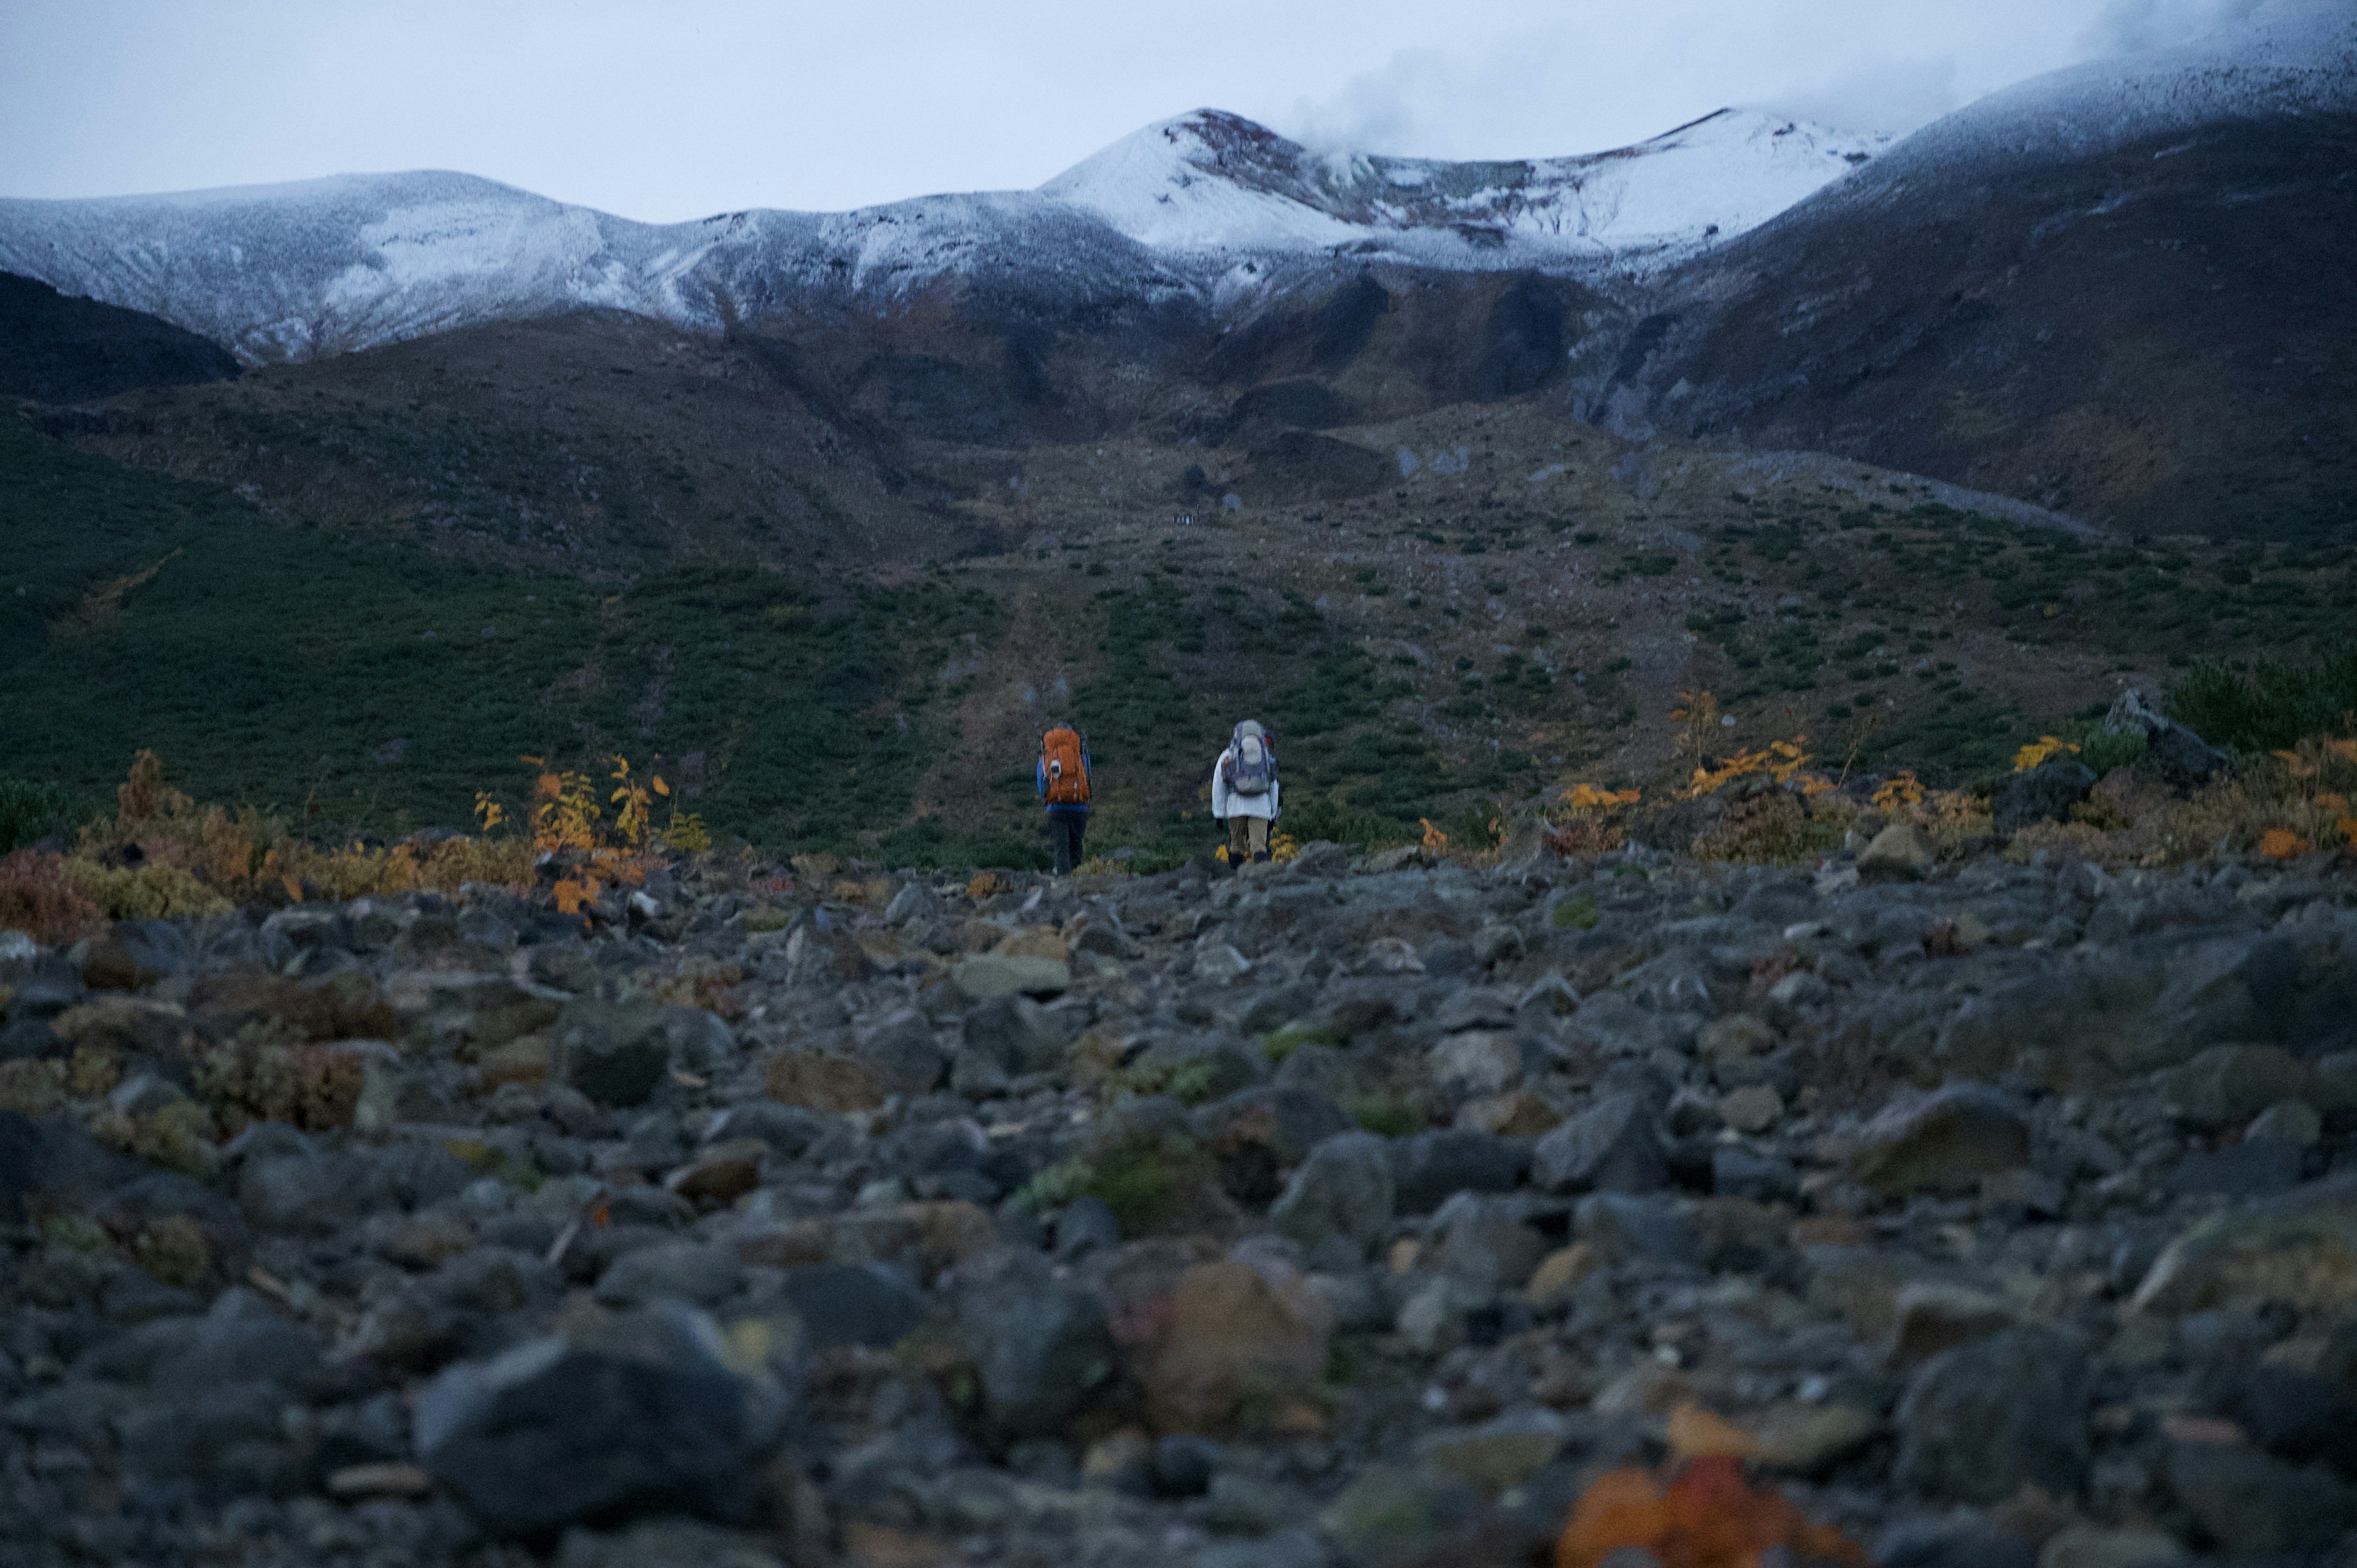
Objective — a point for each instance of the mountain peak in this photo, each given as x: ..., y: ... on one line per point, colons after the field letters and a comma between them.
x: 1211, y: 181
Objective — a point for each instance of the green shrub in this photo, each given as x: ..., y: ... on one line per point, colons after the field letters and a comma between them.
x: 2266, y: 704
x: 155, y: 891
x: 2105, y: 749
x: 1142, y: 1179
x: 30, y: 812
x: 1318, y: 818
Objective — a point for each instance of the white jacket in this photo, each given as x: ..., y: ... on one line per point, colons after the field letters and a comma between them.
x: 1225, y: 804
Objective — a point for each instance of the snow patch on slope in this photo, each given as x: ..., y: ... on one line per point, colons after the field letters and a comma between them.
x: 1211, y: 182
x: 2303, y: 64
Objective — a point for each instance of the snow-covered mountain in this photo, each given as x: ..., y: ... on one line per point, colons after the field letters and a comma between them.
x: 1206, y: 214
x: 1180, y: 210
x: 1210, y: 182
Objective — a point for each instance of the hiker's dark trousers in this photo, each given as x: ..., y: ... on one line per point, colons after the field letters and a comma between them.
x: 1064, y: 831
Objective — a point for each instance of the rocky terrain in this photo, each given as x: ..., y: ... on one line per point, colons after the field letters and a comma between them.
x: 1354, y: 1210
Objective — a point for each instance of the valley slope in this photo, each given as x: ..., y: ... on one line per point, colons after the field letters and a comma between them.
x: 846, y: 507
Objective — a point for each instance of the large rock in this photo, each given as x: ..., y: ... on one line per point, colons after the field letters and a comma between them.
x: 1897, y: 853
x: 1980, y: 1421
x: 2300, y: 1248
x: 2179, y: 756
x: 1038, y: 1342
x: 902, y: 1055
x: 305, y: 1194
x: 2082, y: 1018
x: 985, y: 977
x: 617, y: 1052
x: 52, y: 1162
x: 1393, y: 1514
x: 1430, y: 1167
x: 1930, y: 1316
x: 131, y: 955
x: 852, y: 1304
x: 2253, y: 1505
x: 1242, y: 1343
x: 2092, y: 1546
x: 1950, y: 1137
x: 1611, y: 1146
x: 2235, y: 1083
x: 1340, y: 1194
x: 241, y: 1339
x: 1481, y: 1240
x: 1479, y: 1061
x: 1499, y: 1453
x: 2044, y: 794
x: 692, y: 1271
x: 1619, y: 1227
x: 814, y: 1080
x: 1017, y: 1034
x: 639, y: 1414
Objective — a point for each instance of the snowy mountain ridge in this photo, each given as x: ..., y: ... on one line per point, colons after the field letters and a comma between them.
x: 1207, y: 211
x: 1214, y: 182
x: 1181, y: 209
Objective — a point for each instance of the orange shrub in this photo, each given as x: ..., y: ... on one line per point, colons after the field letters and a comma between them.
x: 1708, y: 1515
x: 36, y: 899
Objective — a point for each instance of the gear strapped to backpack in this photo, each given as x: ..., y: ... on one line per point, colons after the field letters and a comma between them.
x: 1063, y: 758
x: 1250, y: 767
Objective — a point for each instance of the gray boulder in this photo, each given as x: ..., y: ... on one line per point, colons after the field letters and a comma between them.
x: 2179, y: 756
x: 2044, y: 794
x: 1430, y: 1166
x: 852, y: 1304
x: 1341, y: 1196
x: 676, y: 1271
x: 1981, y: 1421
x: 1480, y: 1240
x: 613, y: 1052
x: 639, y: 1414
x: 1039, y: 1343
x: 303, y: 1194
x: 902, y: 1054
x: 2253, y: 1503
x: 1611, y: 1146
x: 1951, y: 1135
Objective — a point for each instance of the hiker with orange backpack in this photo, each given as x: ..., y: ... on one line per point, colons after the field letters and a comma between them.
x: 1244, y: 792
x: 1063, y: 780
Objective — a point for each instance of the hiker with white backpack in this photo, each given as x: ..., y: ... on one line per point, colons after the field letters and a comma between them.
x: 1244, y: 792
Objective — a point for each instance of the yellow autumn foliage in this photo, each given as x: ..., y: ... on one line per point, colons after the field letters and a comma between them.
x: 2040, y: 751
x: 1778, y: 761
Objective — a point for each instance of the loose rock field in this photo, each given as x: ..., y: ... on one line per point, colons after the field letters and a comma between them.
x: 1359, y: 1210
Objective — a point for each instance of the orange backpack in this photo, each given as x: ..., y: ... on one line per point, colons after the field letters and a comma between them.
x: 1063, y: 753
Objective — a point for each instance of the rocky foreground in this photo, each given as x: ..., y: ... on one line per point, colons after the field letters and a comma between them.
x: 1353, y: 1211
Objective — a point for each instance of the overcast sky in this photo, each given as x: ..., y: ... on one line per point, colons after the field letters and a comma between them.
x: 688, y: 107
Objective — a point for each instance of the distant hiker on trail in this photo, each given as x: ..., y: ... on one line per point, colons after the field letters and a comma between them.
x: 1063, y: 780
x: 1244, y: 792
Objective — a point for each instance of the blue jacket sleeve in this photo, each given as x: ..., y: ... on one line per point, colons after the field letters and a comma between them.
x: 1040, y: 778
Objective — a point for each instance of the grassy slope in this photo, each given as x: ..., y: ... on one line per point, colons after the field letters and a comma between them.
x: 1527, y: 611
x: 380, y: 684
